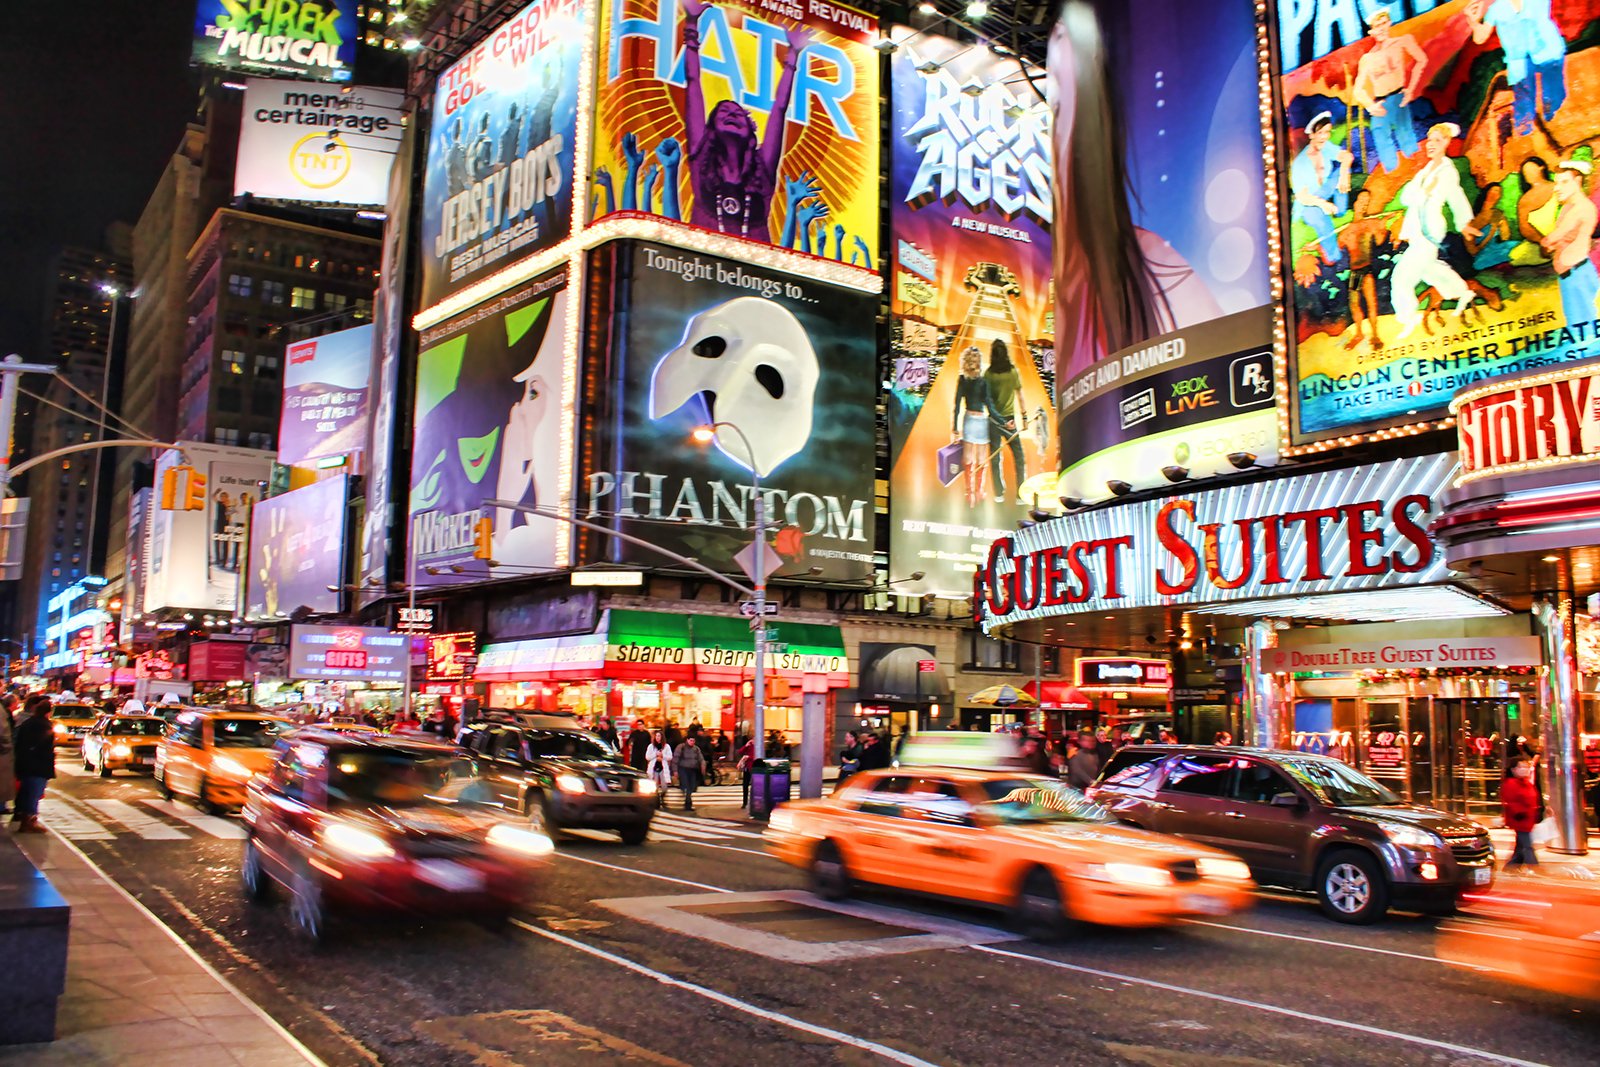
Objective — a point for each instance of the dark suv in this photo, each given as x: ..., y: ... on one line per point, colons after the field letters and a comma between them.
x: 1303, y: 822
x: 561, y: 776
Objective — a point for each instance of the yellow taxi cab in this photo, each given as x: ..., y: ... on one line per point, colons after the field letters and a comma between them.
x: 209, y: 756
x: 71, y: 720
x: 1540, y: 931
x: 1002, y: 838
x: 122, y: 742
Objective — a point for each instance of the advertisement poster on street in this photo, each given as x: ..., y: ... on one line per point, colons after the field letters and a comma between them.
x: 355, y: 653
x: 747, y: 119
x: 498, y: 184
x: 314, y: 39
x: 489, y: 426
x: 316, y: 143
x: 195, y: 554
x: 1161, y: 272
x: 971, y: 432
x: 297, y: 551
x: 786, y: 368
x: 325, y: 384
x: 1440, y: 230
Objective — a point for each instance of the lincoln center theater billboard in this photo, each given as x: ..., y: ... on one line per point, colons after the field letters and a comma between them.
x: 754, y: 120
x: 297, y: 551
x: 325, y: 386
x: 316, y: 143
x: 1441, y: 226
x: 1162, y: 274
x: 498, y: 184
x: 313, y: 39
x: 970, y: 206
x: 489, y: 425
x: 785, y: 366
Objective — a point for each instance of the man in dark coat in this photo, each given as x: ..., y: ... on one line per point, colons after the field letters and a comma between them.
x: 35, y: 750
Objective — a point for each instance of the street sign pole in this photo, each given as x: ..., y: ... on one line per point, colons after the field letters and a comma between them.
x: 10, y: 367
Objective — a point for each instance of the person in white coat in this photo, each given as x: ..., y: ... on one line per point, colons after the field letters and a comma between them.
x: 658, y: 765
x: 1426, y: 198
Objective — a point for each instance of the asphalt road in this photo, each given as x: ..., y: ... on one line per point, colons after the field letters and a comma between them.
x: 640, y: 955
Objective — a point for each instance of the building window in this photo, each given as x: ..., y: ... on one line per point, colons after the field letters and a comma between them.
x: 303, y: 298
x: 225, y: 435
x: 273, y: 292
x: 260, y: 440
x: 240, y: 284
x: 233, y: 360
x: 230, y: 401
x: 985, y: 653
x: 266, y: 364
x: 336, y: 301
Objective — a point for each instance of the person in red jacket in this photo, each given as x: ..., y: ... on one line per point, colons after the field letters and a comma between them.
x: 1519, y: 803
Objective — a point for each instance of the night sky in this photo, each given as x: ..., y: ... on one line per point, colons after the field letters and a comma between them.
x: 93, y: 97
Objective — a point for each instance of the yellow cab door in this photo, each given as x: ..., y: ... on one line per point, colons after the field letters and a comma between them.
x: 947, y: 852
x: 875, y: 834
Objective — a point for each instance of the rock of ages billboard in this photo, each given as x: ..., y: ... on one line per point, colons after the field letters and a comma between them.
x: 787, y: 367
x: 1440, y: 230
x: 313, y: 39
x: 752, y: 119
x: 488, y: 426
x: 498, y: 184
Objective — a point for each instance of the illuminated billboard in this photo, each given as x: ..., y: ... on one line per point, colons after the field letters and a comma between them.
x: 1439, y: 225
x: 297, y: 551
x: 498, y: 184
x: 349, y: 653
x: 1162, y: 272
x: 970, y: 208
x: 316, y: 143
x: 196, y: 547
x: 313, y: 39
x: 325, y: 384
x: 750, y: 120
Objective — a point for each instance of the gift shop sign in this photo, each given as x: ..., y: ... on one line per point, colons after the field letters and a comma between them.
x: 1543, y: 420
x: 1338, y: 531
x: 1403, y: 655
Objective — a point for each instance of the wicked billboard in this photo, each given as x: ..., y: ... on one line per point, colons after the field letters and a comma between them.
x: 786, y: 370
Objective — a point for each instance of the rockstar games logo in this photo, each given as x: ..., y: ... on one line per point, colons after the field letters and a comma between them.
x: 320, y: 160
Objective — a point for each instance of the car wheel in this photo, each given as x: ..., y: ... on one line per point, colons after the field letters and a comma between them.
x: 306, y: 906
x: 105, y: 771
x: 257, y: 883
x: 200, y: 800
x: 830, y: 877
x: 1038, y: 912
x: 86, y: 764
x: 1351, y: 888
x: 161, y: 786
x: 635, y: 835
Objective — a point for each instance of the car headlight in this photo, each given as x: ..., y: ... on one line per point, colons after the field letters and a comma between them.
x: 1410, y: 836
x: 232, y: 768
x: 1137, y: 874
x: 516, y: 839
x: 61, y: 731
x: 647, y: 786
x: 356, y: 842
x: 569, y: 783
x: 1216, y: 867
x: 121, y: 751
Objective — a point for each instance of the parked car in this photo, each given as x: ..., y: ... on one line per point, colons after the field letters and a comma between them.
x: 1303, y: 822
x: 72, y: 720
x: 370, y: 823
x: 210, y: 755
x: 122, y: 742
x: 561, y: 776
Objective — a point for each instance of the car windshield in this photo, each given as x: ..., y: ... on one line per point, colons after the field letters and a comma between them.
x: 571, y: 744
x: 1036, y: 800
x: 1336, y: 784
x: 246, y: 733
x: 75, y: 711
x: 140, y: 727
x: 403, y: 780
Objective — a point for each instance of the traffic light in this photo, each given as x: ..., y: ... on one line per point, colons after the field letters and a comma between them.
x: 194, y: 498
x: 483, y: 539
x: 169, y: 489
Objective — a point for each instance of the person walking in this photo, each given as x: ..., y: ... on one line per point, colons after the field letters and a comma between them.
x: 691, y: 766
x: 849, y: 756
x: 35, y: 757
x: 1519, y: 803
x: 746, y: 764
x: 1084, y: 766
x: 657, y: 764
x: 639, y: 744
x: 874, y: 753
x: 8, y: 777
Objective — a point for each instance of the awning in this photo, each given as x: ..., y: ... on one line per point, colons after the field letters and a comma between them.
x: 1059, y: 696
x: 799, y: 651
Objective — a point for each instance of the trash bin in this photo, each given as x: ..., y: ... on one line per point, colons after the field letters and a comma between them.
x: 769, y: 786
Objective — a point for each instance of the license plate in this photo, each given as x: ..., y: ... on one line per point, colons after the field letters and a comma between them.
x: 450, y: 875
x: 1204, y: 905
x: 1481, y: 876
x: 145, y: 761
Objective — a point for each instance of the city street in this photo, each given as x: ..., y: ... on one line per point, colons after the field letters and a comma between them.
x: 698, y: 948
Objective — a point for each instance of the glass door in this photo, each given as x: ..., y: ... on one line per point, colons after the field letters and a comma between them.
x: 1469, y: 749
x: 1382, y: 745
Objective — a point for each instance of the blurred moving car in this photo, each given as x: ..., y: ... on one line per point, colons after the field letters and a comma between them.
x: 1303, y: 822
x: 373, y: 823
x: 1537, y: 931
x: 560, y: 776
x: 72, y: 720
x: 210, y: 755
x: 1002, y: 839
x: 122, y: 742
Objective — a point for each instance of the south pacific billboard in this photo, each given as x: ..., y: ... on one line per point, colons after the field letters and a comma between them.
x: 787, y: 369
x: 973, y: 325
x: 316, y: 143
x: 489, y: 425
x: 498, y: 184
x: 1162, y: 272
x: 314, y: 39
x: 1439, y: 229
x: 297, y: 551
x: 751, y: 120
x: 325, y: 394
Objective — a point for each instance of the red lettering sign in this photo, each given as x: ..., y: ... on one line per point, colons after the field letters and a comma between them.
x: 1538, y: 423
x: 346, y: 659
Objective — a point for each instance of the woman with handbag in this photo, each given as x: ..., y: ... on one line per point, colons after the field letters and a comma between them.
x: 658, y: 764
x: 970, y: 425
x: 1519, y: 803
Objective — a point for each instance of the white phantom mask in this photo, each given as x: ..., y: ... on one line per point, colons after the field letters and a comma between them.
x: 752, y: 366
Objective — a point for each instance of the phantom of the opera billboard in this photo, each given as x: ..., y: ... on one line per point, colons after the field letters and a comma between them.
x: 1440, y: 224
x: 751, y: 120
x: 1162, y: 273
x: 316, y: 143
x: 498, y: 184
x: 325, y: 389
x: 971, y: 434
x: 489, y: 425
x: 297, y: 551
x: 313, y: 39
x: 786, y: 369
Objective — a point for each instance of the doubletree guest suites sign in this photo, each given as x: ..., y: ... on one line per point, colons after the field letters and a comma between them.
x: 1341, y: 531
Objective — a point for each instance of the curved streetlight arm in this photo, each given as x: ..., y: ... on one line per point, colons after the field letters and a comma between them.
x: 121, y: 442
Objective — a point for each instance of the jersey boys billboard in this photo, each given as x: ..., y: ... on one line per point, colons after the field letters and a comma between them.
x: 313, y: 39
x: 970, y: 427
x: 786, y: 367
x: 498, y: 185
x: 1441, y: 225
x: 749, y: 119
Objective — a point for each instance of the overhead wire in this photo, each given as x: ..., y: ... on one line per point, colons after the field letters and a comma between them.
x: 99, y: 407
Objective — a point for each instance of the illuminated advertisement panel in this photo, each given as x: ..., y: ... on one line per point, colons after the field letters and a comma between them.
x: 785, y: 367
x: 313, y: 39
x: 1439, y: 226
x: 452, y: 657
x: 297, y: 551
x: 1162, y: 273
x: 970, y: 206
x: 325, y: 385
x: 356, y: 653
x: 316, y: 143
x: 498, y: 184
x: 751, y: 120
x: 196, y: 546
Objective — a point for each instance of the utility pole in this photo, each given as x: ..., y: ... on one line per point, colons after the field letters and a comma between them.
x: 10, y: 367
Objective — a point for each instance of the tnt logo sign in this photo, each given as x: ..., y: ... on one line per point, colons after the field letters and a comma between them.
x: 320, y: 160
x: 1250, y: 380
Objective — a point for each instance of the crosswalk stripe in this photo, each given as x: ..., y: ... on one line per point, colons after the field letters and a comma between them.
x: 72, y: 770
x: 60, y: 815
x: 225, y: 829
x: 702, y: 827
x: 146, y: 827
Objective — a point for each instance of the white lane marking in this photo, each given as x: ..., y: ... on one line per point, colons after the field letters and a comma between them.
x: 704, y: 827
x: 1316, y: 941
x: 59, y: 813
x: 73, y: 770
x: 646, y: 874
x: 893, y: 1055
x: 225, y: 829
x: 708, y: 844
x: 149, y: 828
x: 1273, y: 1009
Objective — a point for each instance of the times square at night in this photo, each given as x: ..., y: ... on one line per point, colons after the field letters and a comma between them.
x: 727, y: 531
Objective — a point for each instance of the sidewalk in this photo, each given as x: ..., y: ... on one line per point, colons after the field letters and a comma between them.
x: 136, y: 994
x: 1549, y: 862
